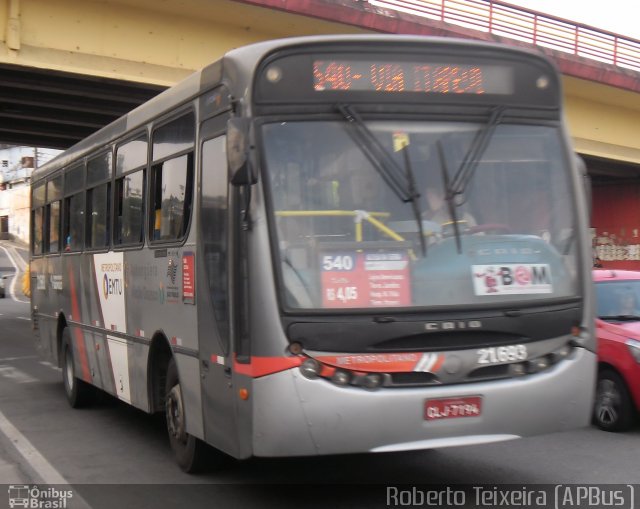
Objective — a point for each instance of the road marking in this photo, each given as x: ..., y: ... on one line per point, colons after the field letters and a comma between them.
x: 9, y: 359
x: 14, y: 279
x: 49, y: 365
x: 16, y: 375
x: 32, y: 456
x: 23, y: 318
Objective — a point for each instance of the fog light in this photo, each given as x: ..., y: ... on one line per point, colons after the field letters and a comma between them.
x: 310, y: 368
x: 372, y: 381
x: 340, y: 377
x: 541, y: 363
x: 517, y: 369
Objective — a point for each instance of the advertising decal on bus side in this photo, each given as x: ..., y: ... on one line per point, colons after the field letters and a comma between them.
x: 109, y: 272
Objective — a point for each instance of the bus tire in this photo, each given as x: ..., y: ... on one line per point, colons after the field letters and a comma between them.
x: 613, y: 408
x: 79, y: 393
x: 189, y: 451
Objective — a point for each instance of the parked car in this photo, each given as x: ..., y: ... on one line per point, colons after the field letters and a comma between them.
x: 618, y: 327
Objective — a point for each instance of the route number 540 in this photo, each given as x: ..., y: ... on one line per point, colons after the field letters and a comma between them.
x: 337, y: 262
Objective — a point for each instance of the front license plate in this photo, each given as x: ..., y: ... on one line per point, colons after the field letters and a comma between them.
x: 451, y: 408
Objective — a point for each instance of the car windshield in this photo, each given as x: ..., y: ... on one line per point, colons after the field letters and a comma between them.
x: 618, y: 300
x: 350, y: 203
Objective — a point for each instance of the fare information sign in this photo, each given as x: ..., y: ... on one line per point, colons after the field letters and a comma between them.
x: 365, y: 279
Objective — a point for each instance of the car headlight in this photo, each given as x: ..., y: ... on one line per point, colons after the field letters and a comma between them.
x: 634, y: 349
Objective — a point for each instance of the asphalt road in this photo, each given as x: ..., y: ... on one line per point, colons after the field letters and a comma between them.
x: 116, y: 456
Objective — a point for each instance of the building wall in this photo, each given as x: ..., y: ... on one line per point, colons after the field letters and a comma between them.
x: 603, y: 121
x: 616, y: 224
x: 16, y: 166
x: 14, y: 203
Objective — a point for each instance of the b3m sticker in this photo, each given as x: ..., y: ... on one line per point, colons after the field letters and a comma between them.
x: 511, y: 279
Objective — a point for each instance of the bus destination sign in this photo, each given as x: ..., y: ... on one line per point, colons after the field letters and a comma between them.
x: 402, y: 76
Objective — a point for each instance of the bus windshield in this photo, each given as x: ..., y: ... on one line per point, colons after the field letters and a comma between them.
x: 351, y: 200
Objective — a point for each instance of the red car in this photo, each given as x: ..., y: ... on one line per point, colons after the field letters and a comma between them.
x: 618, y: 328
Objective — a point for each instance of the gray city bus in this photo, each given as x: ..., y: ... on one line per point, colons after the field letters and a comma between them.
x: 326, y: 245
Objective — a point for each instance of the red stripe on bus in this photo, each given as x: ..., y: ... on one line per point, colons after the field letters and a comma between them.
x: 377, y: 363
x: 261, y: 366
x: 438, y: 364
x: 75, y: 310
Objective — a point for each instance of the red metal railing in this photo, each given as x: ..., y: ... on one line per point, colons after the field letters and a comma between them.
x: 528, y: 26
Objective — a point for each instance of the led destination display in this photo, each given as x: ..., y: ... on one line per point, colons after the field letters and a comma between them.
x: 401, y: 76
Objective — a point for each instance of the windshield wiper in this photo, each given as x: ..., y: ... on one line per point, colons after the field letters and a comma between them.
x: 377, y: 155
x: 402, y: 183
x: 458, y: 184
x: 415, y: 206
x: 472, y: 157
x: 449, y: 195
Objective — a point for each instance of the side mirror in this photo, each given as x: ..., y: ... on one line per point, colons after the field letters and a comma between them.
x: 240, y: 167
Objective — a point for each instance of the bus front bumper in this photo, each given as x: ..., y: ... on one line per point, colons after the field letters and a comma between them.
x: 295, y: 416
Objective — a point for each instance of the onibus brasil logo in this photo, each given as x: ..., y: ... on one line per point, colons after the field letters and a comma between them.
x: 36, y: 497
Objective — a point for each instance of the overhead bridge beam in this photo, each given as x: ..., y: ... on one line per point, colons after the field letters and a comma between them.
x: 56, y: 109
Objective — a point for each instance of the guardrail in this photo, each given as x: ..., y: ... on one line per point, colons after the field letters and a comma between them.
x: 528, y: 26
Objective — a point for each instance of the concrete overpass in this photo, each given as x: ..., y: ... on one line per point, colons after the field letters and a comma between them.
x: 68, y: 67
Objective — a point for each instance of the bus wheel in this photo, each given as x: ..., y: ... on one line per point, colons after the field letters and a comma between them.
x: 613, y: 409
x: 79, y: 393
x: 189, y: 451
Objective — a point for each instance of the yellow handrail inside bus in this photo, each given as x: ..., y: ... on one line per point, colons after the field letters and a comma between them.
x: 358, y: 215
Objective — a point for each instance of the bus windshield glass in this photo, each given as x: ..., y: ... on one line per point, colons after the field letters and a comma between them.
x: 351, y: 200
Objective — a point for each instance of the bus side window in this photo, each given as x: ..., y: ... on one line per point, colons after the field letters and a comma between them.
x: 53, y: 217
x: 37, y: 234
x: 129, y: 208
x: 172, y: 179
x: 74, y: 222
x: 130, y: 194
x: 38, y: 195
x: 73, y: 209
x: 172, y: 197
x: 99, y: 172
x: 98, y: 216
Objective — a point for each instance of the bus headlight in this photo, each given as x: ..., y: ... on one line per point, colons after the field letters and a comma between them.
x: 562, y: 353
x: 539, y: 364
x: 341, y: 377
x: 310, y: 368
x: 372, y: 381
x: 517, y: 369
